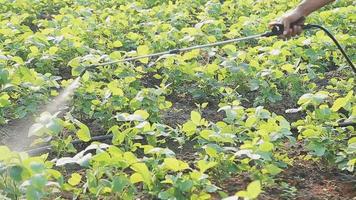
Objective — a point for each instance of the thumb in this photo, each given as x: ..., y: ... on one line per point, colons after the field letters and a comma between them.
x: 273, y: 23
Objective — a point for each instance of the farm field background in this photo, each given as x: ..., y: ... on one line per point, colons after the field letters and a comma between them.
x: 258, y: 119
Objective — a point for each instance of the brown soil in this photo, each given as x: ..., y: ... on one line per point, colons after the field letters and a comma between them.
x: 308, y: 181
x: 312, y: 183
x: 179, y: 113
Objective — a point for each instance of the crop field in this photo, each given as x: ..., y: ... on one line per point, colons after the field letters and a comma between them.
x: 264, y: 118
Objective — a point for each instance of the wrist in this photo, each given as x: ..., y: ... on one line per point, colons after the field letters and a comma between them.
x: 303, y: 10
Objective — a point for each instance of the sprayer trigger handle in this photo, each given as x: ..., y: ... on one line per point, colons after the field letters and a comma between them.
x: 278, y: 29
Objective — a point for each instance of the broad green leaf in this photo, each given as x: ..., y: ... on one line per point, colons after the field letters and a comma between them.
x: 116, y: 55
x: 254, y: 189
x: 206, y: 134
x: 86, y: 76
x: 142, y: 169
x: 205, y: 165
x: 75, y: 62
x: 144, y: 114
x: 34, y: 50
x: 54, y: 126
x: 189, y: 128
x: 317, y: 148
x: 76, y: 71
x: 16, y: 173
x: 119, y: 136
x: 191, y: 54
x: 116, y: 91
x: 75, y: 179
x: 229, y: 49
x: 341, y: 102
x: 311, y: 133
x: 130, y: 158
x: 18, y: 60
x: 266, y: 146
x: 143, y: 50
x: 136, y: 178
x: 251, y: 120
x: 204, y: 105
x: 351, y: 165
x: 252, y: 192
x: 288, y: 68
x: 4, y: 100
x: 175, y: 165
x: 52, y: 50
x: 117, y: 43
x: 272, y: 169
x: 54, y: 173
x: 212, y: 152
x: 83, y: 133
x: 119, y: 183
x: 195, y: 117
x: 351, y: 140
x: 190, y: 31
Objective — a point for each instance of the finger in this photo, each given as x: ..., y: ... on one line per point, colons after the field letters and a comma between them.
x: 271, y: 24
x: 299, y: 30
x: 294, y: 30
x: 286, y: 25
x: 290, y: 33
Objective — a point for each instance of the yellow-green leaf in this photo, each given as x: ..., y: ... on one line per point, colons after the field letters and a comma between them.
x: 75, y: 62
x: 195, y: 117
x: 75, y: 179
x: 205, y: 165
x: 136, y: 178
x: 266, y: 146
x: 34, y: 50
x: 254, y: 189
x: 252, y: 192
x: 143, y: 50
x: 116, y: 91
x: 341, y: 102
x: 142, y: 169
x: 174, y: 164
x: 52, y: 50
x: 189, y: 128
x: 144, y: 114
x: 251, y: 120
x: 352, y: 140
x: 272, y: 169
x: 83, y: 133
x: 117, y: 43
x: 288, y: 68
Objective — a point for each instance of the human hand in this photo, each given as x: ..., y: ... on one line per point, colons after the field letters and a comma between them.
x: 292, y: 22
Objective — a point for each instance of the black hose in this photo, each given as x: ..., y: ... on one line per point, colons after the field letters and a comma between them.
x: 309, y: 26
